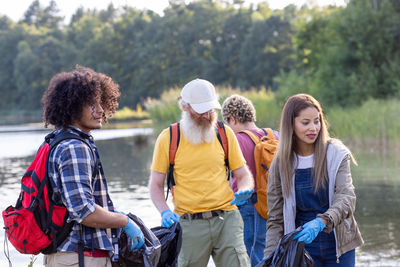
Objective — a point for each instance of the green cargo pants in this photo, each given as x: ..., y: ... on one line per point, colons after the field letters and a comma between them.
x: 220, y: 236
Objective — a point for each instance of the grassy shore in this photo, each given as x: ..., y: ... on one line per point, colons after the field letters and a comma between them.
x: 122, y: 119
x: 374, y: 122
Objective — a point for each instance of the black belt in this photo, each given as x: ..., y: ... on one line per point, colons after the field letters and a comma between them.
x: 202, y: 215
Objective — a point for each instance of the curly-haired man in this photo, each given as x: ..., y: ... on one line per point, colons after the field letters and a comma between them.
x: 77, y: 102
x: 239, y: 113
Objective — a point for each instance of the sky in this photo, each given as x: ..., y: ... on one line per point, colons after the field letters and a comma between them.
x: 15, y: 9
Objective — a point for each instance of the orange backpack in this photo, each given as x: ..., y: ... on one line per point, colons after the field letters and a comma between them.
x: 264, y: 152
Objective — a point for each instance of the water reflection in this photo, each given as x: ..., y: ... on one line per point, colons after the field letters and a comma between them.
x: 378, y: 200
x: 127, y: 159
x: 134, y: 167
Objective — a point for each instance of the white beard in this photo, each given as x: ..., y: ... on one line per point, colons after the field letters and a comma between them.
x: 196, y: 134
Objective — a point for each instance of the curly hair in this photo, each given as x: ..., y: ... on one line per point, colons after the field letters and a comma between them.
x: 69, y: 92
x: 240, y: 108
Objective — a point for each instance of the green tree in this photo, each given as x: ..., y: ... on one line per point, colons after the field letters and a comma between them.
x: 43, y: 17
x: 26, y: 73
x: 10, y: 35
x: 266, y: 52
x: 32, y: 13
x: 347, y: 55
x: 223, y: 68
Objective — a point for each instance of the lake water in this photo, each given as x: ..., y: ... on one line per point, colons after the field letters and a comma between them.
x: 126, y: 156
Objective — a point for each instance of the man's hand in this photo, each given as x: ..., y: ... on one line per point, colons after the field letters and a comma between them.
x: 241, y: 197
x: 133, y: 231
x: 168, y: 217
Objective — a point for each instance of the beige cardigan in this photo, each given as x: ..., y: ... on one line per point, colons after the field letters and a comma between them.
x: 342, y: 203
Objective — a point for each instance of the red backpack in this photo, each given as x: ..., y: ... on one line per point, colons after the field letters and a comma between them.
x: 36, y: 224
x: 174, y: 138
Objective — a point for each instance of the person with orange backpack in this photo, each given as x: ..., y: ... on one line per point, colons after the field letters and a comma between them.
x: 258, y: 146
x: 196, y: 155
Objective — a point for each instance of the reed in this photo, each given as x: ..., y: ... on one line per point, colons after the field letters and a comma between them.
x: 165, y: 110
x: 129, y: 114
x: 374, y: 122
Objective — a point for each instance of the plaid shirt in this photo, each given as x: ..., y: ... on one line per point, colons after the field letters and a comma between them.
x: 70, y: 169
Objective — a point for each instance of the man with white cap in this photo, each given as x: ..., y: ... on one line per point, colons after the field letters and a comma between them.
x: 204, y: 203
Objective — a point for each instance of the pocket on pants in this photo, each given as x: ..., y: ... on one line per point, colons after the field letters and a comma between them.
x: 66, y: 259
x: 242, y: 256
x: 183, y: 262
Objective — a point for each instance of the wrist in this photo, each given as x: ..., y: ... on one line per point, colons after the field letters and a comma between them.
x: 322, y: 223
x: 126, y: 222
x: 164, y: 211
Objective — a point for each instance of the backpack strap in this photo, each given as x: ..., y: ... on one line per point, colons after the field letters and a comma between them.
x: 221, y: 135
x: 53, y: 140
x: 174, y: 138
x: 269, y: 134
x: 223, y: 140
x: 252, y: 136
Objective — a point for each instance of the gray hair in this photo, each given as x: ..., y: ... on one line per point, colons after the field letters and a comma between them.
x: 182, y: 103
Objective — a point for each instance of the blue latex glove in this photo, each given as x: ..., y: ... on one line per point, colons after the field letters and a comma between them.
x: 134, y: 232
x: 310, y: 231
x: 241, y: 197
x: 168, y: 217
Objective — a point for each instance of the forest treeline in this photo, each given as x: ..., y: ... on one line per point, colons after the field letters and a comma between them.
x: 341, y: 55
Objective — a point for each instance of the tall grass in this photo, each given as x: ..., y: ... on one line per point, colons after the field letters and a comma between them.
x: 165, y: 110
x: 374, y: 122
x: 129, y: 114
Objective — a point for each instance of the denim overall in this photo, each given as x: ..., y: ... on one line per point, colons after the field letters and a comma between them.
x: 308, y: 205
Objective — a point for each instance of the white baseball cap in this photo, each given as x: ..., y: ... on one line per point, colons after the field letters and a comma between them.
x: 201, y: 96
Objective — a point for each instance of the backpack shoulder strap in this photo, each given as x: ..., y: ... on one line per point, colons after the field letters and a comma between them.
x: 269, y: 134
x: 223, y: 140
x: 53, y: 140
x: 253, y: 137
x: 221, y: 135
x: 174, y: 138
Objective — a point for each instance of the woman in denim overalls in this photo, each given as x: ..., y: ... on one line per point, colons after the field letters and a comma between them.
x: 310, y: 185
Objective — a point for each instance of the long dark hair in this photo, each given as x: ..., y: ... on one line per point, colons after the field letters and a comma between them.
x: 284, y: 159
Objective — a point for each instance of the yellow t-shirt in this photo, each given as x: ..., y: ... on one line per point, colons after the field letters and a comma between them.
x: 199, y: 172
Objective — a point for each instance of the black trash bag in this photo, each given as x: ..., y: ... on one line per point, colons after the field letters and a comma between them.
x: 148, y: 256
x: 288, y: 253
x: 171, y: 242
